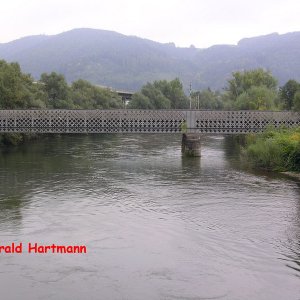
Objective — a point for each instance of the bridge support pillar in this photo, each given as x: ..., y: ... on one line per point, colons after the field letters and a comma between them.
x: 190, y: 145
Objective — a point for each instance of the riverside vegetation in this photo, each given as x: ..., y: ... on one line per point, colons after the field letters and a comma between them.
x: 275, y: 150
x: 253, y: 89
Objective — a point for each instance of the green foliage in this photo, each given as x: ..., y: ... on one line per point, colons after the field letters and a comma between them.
x: 57, y: 90
x: 156, y: 96
x: 296, y: 101
x: 207, y: 99
x: 17, y: 90
x: 172, y: 90
x: 254, y: 89
x: 248, y: 90
x: 287, y: 93
x: 88, y: 96
x: 160, y: 95
x: 256, y: 98
x: 275, y: 150
x: 140, y: 101
x: 243, y: 81
x: 183, y: 126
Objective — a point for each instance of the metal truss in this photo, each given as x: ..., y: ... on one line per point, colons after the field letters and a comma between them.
x: 143, y: 121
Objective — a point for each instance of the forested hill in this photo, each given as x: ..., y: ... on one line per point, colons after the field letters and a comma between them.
x: 125, y: 62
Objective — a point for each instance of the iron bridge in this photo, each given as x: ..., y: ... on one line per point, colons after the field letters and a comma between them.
x: 143, y: 121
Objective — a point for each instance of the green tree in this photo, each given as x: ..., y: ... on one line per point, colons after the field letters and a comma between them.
x: 256, y: 98
x: 156, y: 96
x: 18, y: 90
x: 173, y: 90
x: 88, y: 96
x: 150, y: 97
x: 296, y: 101
x: 57, y: 90
x: 287, y: 93
x: 207, y: 99
x: 160, y: 94
x: 243, y: 81
x: 140, y: 101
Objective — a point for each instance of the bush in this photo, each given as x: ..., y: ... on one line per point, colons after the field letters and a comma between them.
x: 276, y: 149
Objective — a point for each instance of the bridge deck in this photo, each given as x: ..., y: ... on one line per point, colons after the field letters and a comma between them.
x: 147, y: 121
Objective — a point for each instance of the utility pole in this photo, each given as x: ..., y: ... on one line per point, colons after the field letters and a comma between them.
x: 190, y: 95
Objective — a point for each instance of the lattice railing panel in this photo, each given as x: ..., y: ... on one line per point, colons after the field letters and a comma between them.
x: 93, y: 121
x: 97, y: 121
x: 242, y: 121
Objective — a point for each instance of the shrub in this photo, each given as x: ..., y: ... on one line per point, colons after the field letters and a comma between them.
x: 276, y: 149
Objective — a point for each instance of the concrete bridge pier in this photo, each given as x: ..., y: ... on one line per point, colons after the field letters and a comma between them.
x: 190, y: 145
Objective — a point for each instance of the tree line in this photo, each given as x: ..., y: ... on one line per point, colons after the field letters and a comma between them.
x: 19, y: 90
x: 253, y: 89
x: 247, y: 90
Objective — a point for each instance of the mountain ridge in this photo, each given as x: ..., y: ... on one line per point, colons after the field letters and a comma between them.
x: 128, y: 62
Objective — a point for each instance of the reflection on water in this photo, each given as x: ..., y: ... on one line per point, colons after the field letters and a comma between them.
x: 156, y: 225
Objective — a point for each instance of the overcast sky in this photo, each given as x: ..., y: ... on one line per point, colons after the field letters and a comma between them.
x: 199, y: 22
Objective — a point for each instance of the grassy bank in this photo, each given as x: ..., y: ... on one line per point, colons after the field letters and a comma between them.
x: 274, y: 150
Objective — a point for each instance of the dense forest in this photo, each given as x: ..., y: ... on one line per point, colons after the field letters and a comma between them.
x: 126, y: 62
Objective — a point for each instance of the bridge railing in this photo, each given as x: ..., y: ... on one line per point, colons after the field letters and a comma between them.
x: 151, y: 121
x: 91, y: 121
x: 244, y: 121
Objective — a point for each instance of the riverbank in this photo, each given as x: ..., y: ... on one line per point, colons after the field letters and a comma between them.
x: 294, y: 175
x: 274, y: 150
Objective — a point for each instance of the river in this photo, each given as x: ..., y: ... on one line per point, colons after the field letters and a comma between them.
x: 155, y: 225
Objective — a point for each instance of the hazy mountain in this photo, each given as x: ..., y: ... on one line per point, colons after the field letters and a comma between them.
x: 127, y: 62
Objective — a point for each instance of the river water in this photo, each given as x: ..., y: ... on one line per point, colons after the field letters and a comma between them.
x: 155, y: 225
